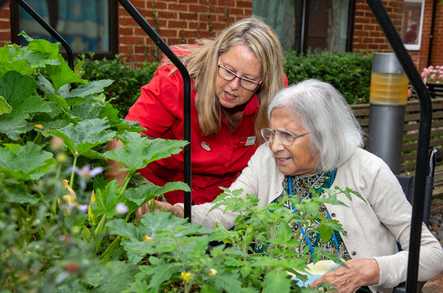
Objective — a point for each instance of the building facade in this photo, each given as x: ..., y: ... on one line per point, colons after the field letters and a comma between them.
x: 303, y: 25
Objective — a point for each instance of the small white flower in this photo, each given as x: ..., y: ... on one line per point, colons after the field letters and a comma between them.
x: 86, y: 171
x: 61, y: 277
x: 83, y: 208
x: 121, y: 208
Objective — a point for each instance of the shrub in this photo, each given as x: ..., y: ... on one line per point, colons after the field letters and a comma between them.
x: 349, y: 72
x: 127, y: 80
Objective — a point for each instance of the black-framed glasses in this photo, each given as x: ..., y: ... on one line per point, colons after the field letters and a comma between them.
x: 285, y: 136
x: 229, y: 75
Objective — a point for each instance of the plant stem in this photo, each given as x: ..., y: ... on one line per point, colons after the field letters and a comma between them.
x: 108, y: 252
x: 74, y: 165
x: 125, y: 183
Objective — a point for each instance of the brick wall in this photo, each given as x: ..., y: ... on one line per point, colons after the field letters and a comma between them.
x: 437, y: 42
x: 368, y: 36
x: 177, y: 22
x: 5, y: 27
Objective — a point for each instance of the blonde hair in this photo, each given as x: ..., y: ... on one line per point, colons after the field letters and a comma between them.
x: 203, y: 61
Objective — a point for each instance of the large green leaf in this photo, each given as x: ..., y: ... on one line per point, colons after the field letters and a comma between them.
x: 40, y: 53
x: 107, y: 199
x: 20, y: 93
x: 14, y: 125
x: 5, y: 108
x: 111, y: 277
x: 16, y: 87
x: 9, y: 61
x: 276, y: 281
x: 17, y: 194
x: 93, y: 87
x: 138, y: 151
x: 327, y: 228
x: 121, y: 228
x: 28, y: 162
x: 148, y: 191
x: 228, y: 283
x: 61, y: 75
x: 161, y: 274
x: 82, y: 137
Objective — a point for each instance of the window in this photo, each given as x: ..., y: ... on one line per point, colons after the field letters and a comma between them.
x: 412, y: 23
x: 88, y: 26
x: 309, y: 26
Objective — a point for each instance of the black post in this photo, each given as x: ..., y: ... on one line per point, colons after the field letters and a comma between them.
x: 186, y: 89
x: 50, y: 30
x: 421, y: 168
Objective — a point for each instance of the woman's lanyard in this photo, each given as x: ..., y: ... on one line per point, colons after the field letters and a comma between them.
x: 306, y: 238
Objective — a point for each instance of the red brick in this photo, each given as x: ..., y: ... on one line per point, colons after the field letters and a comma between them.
x: 178, y: 7
x: 190, y: 16
x: 243, y: 4
x: 5, y: 36
x: 167, y: 14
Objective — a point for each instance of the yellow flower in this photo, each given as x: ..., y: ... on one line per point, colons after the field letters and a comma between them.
x: 146, y: 238
x: 68, y: 188
x: 93, y: 197
x: 61, y: 157
x: 186, y: 276
x: 212, y: 272
x: 39, y: 126
x: 70, y: 199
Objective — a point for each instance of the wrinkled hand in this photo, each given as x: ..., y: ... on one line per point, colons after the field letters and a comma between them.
x: 352, y: 275
x: 160, y: 205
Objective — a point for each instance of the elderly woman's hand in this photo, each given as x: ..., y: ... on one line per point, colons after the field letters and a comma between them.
x: 352, y: 275
x: 160, y: 205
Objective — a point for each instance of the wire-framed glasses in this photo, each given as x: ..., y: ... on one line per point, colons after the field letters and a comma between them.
x: 246, y: 83
x: 284, y: 136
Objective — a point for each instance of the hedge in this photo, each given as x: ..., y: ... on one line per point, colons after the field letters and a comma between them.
x: 127, y: 80
x: 348, y: 72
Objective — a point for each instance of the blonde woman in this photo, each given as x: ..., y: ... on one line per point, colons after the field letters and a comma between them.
x: 234, y: 77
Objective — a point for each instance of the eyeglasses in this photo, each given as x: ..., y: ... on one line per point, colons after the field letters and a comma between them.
x: 229, y: 75
x: 285, y: 137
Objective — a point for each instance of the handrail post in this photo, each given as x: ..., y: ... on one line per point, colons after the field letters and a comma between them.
x: 421, y: 169
x: 136, y: 15
x: 49, y: 29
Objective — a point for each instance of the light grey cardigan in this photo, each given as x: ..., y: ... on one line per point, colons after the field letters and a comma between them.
x: 373, y: 228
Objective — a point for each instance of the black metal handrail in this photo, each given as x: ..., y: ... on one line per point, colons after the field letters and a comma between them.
x: 186, y: 89
x: 421, y: 169
x: 49, y: 29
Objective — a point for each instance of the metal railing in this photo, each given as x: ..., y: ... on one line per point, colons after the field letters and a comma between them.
x: 405, y: 60
x: 50, y: 30
x: 422, y: 168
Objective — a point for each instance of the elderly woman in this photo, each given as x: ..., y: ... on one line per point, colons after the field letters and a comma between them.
x: 314, y: 141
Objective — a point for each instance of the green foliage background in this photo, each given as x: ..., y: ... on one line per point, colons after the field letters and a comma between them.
x: 348, y: 72
x: 127, y: 80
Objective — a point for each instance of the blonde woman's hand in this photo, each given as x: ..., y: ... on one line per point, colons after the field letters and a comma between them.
x: 354, y: 274
x: 159, y: 205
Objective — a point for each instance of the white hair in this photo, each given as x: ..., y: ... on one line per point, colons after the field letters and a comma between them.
x: 335, y: 133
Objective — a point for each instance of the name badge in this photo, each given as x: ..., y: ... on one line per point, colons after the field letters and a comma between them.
x: 205, y: 146
x: 250, y: 140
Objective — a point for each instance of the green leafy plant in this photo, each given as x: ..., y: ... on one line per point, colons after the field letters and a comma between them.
x: 66, y: 228
x: 127, y: 80
x: 54, y: 213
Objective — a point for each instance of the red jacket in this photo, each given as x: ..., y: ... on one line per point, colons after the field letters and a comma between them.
x: 216, y: 160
